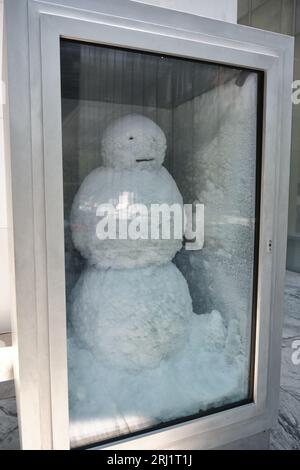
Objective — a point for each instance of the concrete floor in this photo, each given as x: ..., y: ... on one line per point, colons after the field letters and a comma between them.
x: 9, y: 434
x: 286, y: 435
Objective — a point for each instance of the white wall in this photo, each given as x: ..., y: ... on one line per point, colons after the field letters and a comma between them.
x: 4, y: 269
x: 225, y: 10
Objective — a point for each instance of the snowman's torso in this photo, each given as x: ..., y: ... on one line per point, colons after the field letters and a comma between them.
x: 123, y: 189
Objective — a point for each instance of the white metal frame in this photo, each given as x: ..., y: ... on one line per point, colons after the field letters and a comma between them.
x: 34, y: 158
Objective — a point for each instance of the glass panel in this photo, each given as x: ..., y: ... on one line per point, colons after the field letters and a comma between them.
x: 160, y: 324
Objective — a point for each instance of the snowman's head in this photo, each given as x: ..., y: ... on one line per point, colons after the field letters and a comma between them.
x: 133, y: 141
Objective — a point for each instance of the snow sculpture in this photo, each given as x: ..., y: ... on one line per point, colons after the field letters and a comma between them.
x: 138, y: 355
x: 131, y: 307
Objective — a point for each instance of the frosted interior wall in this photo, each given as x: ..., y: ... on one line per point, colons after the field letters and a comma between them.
x: 208, y: 114
x: 215, y: 133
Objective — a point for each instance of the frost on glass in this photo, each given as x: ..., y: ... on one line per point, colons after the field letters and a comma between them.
x: 156, y: 332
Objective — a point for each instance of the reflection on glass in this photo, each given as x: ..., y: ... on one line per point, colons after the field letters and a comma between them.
x: 158, y: 329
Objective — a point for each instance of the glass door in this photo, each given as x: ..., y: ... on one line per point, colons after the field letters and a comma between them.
x: 161, y: 173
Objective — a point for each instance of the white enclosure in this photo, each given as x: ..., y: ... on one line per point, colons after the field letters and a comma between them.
x: 145, y: 343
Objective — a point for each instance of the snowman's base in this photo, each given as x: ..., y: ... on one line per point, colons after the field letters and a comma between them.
x: 132, y: 319
x: 209, y: 372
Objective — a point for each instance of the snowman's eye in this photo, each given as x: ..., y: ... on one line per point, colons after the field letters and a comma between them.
x: 130, y: 138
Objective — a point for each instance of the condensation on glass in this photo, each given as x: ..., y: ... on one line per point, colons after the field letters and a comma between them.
x: 158, y: 342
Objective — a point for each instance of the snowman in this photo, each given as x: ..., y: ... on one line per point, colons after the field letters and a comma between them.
x: 131, y: 307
